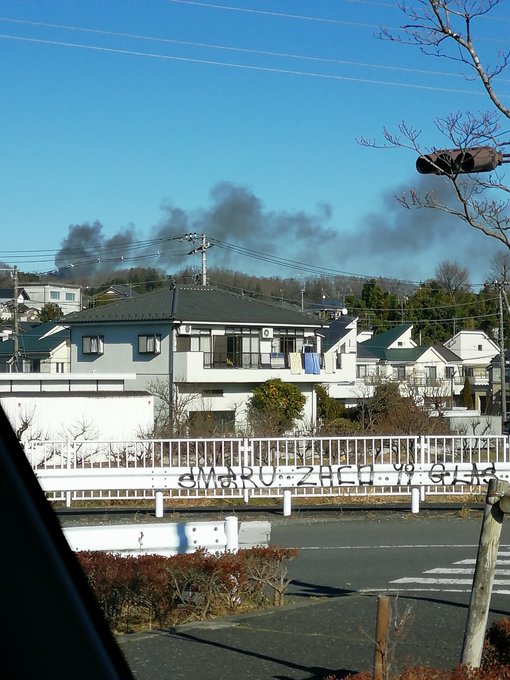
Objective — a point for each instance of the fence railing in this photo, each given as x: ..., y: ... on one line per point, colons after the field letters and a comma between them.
x: 266, y: 467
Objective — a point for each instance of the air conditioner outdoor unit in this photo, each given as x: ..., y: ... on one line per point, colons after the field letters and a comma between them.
x: 184, y: 329
x: 267, y: 332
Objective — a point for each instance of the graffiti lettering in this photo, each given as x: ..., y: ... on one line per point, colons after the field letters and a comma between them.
x: 405, y: 473
x: 328, y: 476
x: 304, y: 480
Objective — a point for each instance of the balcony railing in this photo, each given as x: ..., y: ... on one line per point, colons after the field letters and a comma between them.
x: 256, y: 360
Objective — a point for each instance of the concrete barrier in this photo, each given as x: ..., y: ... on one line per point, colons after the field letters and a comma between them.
x: 169, y: 538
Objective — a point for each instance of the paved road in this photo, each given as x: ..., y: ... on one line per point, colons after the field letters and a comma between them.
x: 327, y: 627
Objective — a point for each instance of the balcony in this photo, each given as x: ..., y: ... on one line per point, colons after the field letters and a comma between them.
x: 248, y: 367
x: 248, y: 360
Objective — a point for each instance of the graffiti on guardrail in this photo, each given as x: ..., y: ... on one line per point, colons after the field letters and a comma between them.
x: 326, y: 476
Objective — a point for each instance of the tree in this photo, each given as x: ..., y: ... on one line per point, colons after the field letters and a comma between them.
x: 275, y: 406
x: 453, y: 278
x: 446, y: 29
x: 50, y: 311
x: 500, y: 267
x: 171, y: 409
x: 467, y: 396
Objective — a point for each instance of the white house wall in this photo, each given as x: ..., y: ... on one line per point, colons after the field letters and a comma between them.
x: 97, y: 416
x: 41, y: 294
x: 235, y: 399
x: 473, y: 347
x: 60, y: 355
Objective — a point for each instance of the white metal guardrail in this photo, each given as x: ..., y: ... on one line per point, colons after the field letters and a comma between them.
x: 266, y: 467
x: 169, y: 538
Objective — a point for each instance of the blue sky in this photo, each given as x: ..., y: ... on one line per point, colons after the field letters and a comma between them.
x: 239, y: 120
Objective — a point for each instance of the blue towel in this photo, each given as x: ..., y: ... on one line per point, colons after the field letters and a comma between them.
x: 312, y: 363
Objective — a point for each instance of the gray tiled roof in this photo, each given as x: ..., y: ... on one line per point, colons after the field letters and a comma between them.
x: 195, y: 304
x: 336, y: 331
x: 447, y: 354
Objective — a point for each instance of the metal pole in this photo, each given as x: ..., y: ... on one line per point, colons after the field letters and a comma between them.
x: 484, y: 575
x: 232, y: 533
x: 287, y: 503
x: 159, y: 509
x: 204, y: 266
x: 502, y: 359
x: 415, y: 499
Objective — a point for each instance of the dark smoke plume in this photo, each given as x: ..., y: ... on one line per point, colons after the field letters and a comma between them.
x: 390, y: 241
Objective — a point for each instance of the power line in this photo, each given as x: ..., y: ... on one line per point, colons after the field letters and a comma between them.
x: 246, y: 10
x: 301, y: 16
x: 247, y: 67
x: 244, y: 50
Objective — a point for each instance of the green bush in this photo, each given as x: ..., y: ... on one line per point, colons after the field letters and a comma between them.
x: 275, y: 406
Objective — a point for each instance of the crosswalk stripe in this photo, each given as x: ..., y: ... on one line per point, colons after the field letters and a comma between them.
x: 453, y: 570
x: 496, y: 591
x: 447, y: 581
x: 450, y: 579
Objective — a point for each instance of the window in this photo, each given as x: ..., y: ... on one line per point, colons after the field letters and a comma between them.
x: 59, y: 367
x: 361, y: 371
x: 212, y: 392
x: 149, y: 344
x: 54, y: 295
x: 70, y: 297
x: 31, y: 366
x: 449, y: 372
x: 480, y: 348
x: 92, y: 344
x: 431, y: 372
x: 401, y: 372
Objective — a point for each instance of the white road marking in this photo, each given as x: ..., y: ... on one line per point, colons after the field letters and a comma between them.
x: 428, y: 590
x: 383, y: 547
x: 449, y: 579
x: 450, y: 570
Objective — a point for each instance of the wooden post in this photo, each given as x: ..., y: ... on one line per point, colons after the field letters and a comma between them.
x: 381, y: 636
x: 483, y: 579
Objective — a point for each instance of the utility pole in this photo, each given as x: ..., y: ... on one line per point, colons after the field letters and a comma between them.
x: 502, y: 356
x: 16, y: 318
x: 204, y: 245
x: 15, y: 314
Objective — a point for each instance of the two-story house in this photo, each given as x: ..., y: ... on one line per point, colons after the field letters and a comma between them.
x: 212, y: 345
x: 42, y: 348
x: 65, y: 295
x: 424, y: 372
x: 477, y: 351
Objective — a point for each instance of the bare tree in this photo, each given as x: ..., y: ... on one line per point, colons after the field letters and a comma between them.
x: 446, y: 29
x: 453, y: 278
x: 500, y: 267
x: 171, y: 406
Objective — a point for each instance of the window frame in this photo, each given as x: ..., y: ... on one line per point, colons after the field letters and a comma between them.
x: 149, y: 338
x: 90, y: 350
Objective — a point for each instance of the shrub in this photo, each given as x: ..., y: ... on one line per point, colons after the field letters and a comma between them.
x: 135, y: 592
x: 275, y: 405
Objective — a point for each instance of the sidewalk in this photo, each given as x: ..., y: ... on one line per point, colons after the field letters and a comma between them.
x: 310, y: 638
x: 308, y: 641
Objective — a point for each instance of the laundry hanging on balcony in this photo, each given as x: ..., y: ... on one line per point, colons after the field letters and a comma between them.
x: 312, y: 363
x: 296, y: 367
